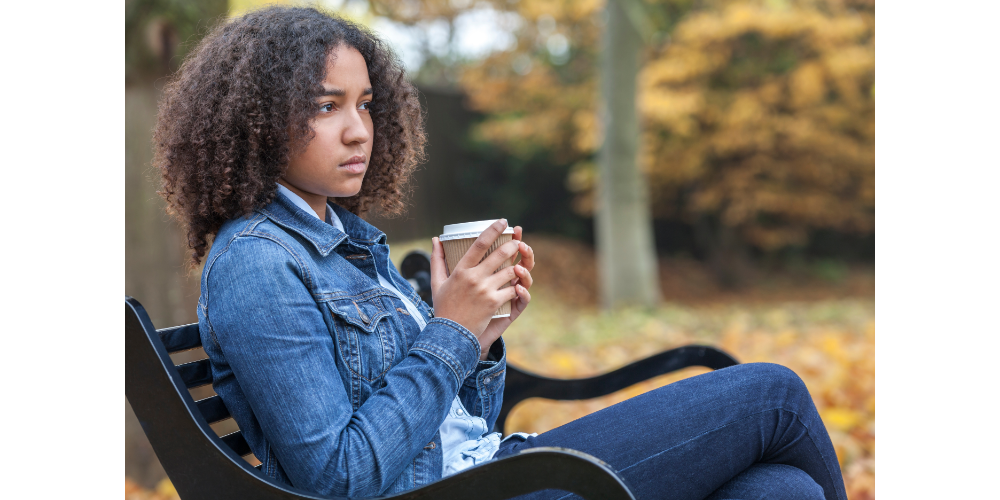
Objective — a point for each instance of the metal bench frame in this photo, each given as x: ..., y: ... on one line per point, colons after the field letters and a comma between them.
x: 203, y: 465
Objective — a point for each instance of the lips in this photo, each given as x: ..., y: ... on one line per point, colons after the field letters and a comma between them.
x: 354, y: 164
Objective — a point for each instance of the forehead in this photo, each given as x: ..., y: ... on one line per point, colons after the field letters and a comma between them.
x: 346, y: 70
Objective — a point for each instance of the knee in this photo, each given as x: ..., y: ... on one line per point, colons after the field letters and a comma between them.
x: 788, y: 480
x: 777, y: 379
x: 776, y: 481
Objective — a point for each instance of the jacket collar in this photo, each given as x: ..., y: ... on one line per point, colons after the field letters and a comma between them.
x: 323, y: 236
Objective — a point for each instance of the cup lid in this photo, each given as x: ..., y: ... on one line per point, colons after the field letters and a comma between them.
x: 469, y: 230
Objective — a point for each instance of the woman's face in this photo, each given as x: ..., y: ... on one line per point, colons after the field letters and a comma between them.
x: 334, y: 162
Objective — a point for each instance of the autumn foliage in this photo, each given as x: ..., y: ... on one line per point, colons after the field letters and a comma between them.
x: 758, y: 116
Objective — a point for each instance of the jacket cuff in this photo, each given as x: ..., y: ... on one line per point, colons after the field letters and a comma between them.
x: 496, y: 362
x: 452, y: 343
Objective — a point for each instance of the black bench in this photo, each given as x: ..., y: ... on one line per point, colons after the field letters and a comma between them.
x: 204, y: 465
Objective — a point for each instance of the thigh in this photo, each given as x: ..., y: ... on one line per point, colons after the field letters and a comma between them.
x: 689, y: 438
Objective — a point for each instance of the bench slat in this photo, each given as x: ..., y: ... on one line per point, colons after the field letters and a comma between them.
x: 196, y: 373
x: 237, y: 442
x: 213, y: 409
x: 180, y: 338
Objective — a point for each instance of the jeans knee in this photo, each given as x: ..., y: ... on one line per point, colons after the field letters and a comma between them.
x: 776, y: 481
x: 778, y: 378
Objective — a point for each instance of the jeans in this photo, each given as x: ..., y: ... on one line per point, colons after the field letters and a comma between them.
x: 747, y: 431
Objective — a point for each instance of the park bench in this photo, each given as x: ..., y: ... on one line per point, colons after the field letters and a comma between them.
x: 204, y: 465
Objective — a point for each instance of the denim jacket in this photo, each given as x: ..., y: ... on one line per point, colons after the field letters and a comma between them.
x: 334, y: 391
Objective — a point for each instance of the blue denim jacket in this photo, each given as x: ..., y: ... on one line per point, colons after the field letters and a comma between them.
x: 333, y: 391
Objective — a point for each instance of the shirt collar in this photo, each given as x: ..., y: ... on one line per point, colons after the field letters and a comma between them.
x: 287, y: 212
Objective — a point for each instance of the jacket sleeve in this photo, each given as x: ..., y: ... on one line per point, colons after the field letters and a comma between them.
x: 482, y: 390
x: 274, y: 337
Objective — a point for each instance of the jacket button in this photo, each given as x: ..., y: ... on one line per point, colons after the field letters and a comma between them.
x: 460, y: 412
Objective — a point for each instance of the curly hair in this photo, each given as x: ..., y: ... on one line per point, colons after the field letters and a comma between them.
x: 241, y: 104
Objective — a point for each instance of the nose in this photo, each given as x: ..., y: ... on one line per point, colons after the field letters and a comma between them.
x: 356, y: 129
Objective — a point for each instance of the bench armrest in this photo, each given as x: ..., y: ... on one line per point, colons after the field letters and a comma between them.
x: 521, y: 384
x: 534, y: 469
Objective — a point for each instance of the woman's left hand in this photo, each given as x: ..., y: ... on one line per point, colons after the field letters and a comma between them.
x: 522, y: 283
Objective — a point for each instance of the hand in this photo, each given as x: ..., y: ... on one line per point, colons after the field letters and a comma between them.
x: 522, y: 283
x: 471, y: 294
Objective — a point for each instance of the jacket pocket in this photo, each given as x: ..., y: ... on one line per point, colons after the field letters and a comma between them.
x: 364, y: 336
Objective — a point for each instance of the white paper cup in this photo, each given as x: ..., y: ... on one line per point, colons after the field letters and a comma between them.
x: 458, y: 238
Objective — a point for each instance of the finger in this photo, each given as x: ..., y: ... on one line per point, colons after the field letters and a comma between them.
x: 506, y: 295
x: 517, y: 236
x: 500, y: 324
x: 523, y: 298
x: 500, y: 278
x: 439, y: 266
x: 527, y: 256
x: 523, y: 276
x: 482, y: 244
x: 499, y: 257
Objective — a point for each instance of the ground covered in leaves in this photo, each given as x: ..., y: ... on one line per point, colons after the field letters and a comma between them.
x: 819, y: 321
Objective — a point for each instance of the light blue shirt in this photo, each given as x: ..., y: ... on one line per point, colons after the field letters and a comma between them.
x: 465, y: 440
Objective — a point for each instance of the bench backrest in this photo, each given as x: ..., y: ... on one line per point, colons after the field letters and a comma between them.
x: 200, y: 464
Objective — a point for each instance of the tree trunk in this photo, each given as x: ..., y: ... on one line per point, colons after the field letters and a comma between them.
x: 626, y: 252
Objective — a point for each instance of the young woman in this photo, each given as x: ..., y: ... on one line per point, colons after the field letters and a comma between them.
x: 278, y: 132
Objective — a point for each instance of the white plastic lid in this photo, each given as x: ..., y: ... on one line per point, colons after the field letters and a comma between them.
x: 469, y: 230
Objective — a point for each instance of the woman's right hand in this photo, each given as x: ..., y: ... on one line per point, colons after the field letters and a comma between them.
x: 471, y: 294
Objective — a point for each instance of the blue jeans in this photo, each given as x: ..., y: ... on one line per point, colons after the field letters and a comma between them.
x: 748, y: 431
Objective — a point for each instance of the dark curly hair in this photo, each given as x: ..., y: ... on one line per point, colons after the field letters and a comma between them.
x: 242, y: 102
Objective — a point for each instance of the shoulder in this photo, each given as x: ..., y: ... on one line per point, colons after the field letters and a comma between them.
x: 253, y: 245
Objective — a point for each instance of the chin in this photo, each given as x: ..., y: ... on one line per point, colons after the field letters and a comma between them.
x: 349, y: 193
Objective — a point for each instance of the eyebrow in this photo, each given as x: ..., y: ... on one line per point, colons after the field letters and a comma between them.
x: 341, y: 93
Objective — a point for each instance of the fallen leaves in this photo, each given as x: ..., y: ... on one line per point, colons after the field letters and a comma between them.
x: 164, y: 491
x: 829, y: 344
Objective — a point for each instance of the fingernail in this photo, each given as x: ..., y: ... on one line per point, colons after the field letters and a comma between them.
x: 504, y: 222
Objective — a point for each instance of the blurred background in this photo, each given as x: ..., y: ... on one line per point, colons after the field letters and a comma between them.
x: 733, y: 204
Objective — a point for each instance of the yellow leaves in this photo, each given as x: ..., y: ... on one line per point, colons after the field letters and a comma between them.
x: 849, y: 65
x: 166, y: 488
x: 681, y: 65
x: 673, y: 109
x: 839, y: 30
x: 807, y: 85
x: 566, y: 10
x: 754, y: 111
x: 841, y: 419
x: 163, y: 491
x: 589, y: 132
x: 739, y: 18
x: 240, y: 7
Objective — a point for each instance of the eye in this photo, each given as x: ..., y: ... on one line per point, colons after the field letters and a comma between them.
x: 367, y: 105
x: 326, y: 108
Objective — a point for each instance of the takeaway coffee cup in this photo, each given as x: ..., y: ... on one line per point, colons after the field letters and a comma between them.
x: 457, y: 238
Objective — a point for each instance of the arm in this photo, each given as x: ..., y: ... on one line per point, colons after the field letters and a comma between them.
x: 279, y: 346
x: 482, y: 391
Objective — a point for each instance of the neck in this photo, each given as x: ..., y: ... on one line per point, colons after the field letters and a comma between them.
x: 316, y: 201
